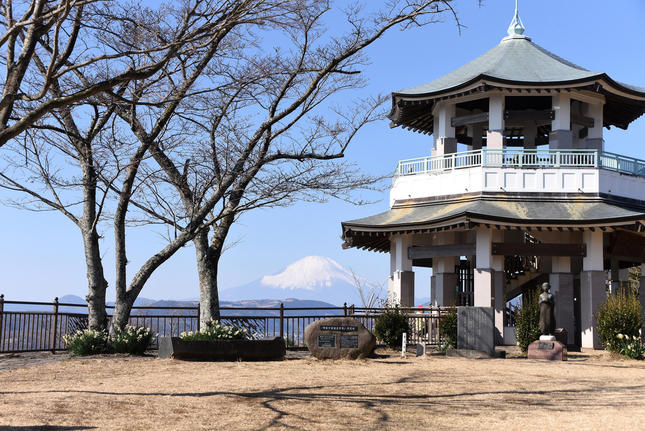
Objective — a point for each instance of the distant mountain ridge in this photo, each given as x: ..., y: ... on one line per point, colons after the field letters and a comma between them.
x: 172, y: 306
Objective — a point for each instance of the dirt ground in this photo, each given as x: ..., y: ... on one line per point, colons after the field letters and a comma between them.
x: 590, y: 391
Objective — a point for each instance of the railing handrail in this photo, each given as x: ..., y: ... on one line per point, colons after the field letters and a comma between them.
x: 520, y: 157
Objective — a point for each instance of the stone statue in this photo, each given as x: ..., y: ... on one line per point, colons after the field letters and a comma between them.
x: 547, y: 317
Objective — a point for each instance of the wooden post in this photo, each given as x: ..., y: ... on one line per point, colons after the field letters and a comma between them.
x: 281, y: 320
x: 199, y: 315
x: 1, y: 320
x: 345, y: 309
x: 55, y: 325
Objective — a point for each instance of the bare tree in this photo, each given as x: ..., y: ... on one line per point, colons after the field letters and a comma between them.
x: 268, y: 133
x: 232, y: 101
x: 70, y: 39
x: 107, y: 161
x: 371, y: 294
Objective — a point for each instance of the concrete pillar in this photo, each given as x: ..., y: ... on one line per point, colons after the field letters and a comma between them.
x: 592, y: 287
x: 614, y: 276
x: 530, y: 134
x: 594, y: 140
x: 477, y: 135
x: 495, y: 133
x: 489, y: 278
x: 561, y: 280
x: 445, y: 141
x: 401, y: 280
x: 444, y: 281
x: 561, y: 137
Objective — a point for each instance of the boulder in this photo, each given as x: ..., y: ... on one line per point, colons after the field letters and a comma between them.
x: 339, y: 338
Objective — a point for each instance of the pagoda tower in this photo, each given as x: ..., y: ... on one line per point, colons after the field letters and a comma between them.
x: 534, y: 197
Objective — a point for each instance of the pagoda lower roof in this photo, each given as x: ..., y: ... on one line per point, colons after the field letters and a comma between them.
x: 520, y: 213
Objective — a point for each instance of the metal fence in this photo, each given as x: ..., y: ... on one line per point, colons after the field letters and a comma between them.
x: 43, y: 328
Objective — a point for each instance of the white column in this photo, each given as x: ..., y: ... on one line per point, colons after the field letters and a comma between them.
x: 594, y: 135
x: 561, y: 137
x: 495, y: 134
x: 489, y: 278
x: 445, y: 141
x: 401, y: 280
x: 592, y: 287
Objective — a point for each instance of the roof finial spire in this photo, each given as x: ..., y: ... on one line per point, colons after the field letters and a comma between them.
x: 516, y: 27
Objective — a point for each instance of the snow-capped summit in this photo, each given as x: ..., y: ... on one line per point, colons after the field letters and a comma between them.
x: 310, y: 278
x: 309, y: 273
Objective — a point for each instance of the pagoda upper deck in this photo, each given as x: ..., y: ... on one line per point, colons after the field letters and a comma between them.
x: 519, y: 171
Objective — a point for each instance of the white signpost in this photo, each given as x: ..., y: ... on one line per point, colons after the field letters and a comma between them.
x: 404, y: 344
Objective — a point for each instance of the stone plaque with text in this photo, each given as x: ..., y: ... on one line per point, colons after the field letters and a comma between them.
x: 327, y: 340
x: 339, y: 338
x: 349, y: 341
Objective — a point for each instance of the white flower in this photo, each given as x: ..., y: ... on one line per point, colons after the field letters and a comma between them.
x: 620, y: 336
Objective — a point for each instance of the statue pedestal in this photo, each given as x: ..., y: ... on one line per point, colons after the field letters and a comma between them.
x: 549, y: 350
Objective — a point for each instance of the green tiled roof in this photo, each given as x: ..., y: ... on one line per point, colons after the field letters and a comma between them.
x: 516, y: 59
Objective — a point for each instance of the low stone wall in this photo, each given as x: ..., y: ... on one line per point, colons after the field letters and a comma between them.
x: 222, y: 350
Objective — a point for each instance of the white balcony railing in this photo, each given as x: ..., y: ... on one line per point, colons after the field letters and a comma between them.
x: 521, y: 158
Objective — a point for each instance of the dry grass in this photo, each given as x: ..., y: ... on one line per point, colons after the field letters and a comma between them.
x: 588, y: 392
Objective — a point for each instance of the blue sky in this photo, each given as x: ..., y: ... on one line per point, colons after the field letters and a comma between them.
x: 41, y: 254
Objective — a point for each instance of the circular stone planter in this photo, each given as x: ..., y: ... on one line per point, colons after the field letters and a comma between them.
x: 222, y: 350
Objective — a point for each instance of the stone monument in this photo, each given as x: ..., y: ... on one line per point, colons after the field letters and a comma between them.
x: 339, y: 338
x: 547, y: 347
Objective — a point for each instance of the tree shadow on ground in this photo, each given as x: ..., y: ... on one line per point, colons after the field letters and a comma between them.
x: 279, y: 400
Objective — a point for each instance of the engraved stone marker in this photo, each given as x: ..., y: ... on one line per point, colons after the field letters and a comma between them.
x: 339, y: 337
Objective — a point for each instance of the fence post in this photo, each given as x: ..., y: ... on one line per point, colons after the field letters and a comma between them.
x: 281, y: 320
x: 199, y: 315
x: 55, y: 325
x: 1, y: 320
x: 345, y: 309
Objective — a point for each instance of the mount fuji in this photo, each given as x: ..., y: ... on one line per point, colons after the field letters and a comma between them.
x: 311, y: 278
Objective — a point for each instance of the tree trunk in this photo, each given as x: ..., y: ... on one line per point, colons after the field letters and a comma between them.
x: 97, y: 285
x: 121, y: 315
x: 207, y: 262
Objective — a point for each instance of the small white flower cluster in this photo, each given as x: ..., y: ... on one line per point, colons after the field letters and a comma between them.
x: 215, y: 331
x: 627, y: 337
x: 87, y: 334
x: 133, y: 333
x: 630, y: 346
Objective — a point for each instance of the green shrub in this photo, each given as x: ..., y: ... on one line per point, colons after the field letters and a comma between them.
x: 448, y: 330
x: 86, y: 342
x: 527, y: 322
x: 390, y: 327
x: 131, y: 340
x: 215, y: 331
x: 619, y: 314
